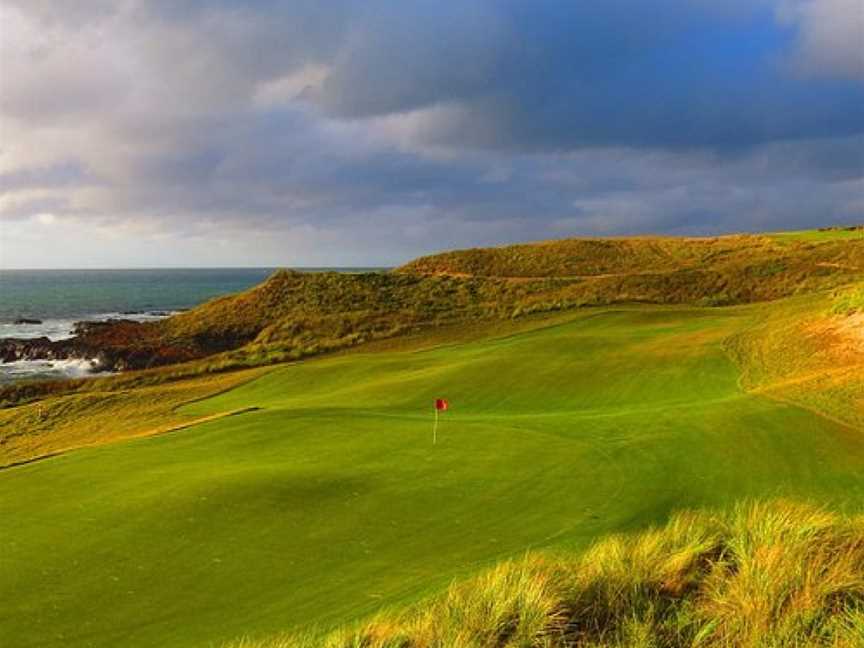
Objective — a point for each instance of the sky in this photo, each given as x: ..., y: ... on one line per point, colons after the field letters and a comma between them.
x: 148, y: 133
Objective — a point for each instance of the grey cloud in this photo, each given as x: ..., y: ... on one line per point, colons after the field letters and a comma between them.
x: 549, y: 75
x: 62, y: 174
x: 831, y: 36
x: 552, y: 76
x: 434, y: 125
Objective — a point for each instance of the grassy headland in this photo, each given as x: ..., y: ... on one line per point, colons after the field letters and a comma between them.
x: 309, y: 495
x: 294, y: 315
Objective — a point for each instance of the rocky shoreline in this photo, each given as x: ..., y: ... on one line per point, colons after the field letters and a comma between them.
x: 111, y: 345
x: 87, y: 343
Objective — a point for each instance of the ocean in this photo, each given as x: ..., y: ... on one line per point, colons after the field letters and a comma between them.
x: 59, y: 298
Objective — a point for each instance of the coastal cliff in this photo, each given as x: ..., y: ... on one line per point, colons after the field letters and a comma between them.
x: 297, y: 314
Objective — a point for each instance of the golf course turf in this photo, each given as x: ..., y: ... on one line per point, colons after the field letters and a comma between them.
x: 328, y: 502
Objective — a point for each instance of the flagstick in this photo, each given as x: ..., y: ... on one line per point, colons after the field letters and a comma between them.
x: 435, y: 428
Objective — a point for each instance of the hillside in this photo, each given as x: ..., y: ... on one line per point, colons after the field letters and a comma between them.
x: 294, y: 314
x: 604, y: 420
x: 242, y: 496
x: 809, y: 351
x: 765, y: 256
x: 304, y: 313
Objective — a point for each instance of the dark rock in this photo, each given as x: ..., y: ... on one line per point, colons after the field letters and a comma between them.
x: 41, y: 348
x: 88, y: 327
x: 27, y: 320
x: 106, y: 361
x: 111, y: 345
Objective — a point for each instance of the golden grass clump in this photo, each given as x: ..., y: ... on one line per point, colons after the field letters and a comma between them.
x: 849, y: 301
x: 796, y: 572
x: 764, y: 575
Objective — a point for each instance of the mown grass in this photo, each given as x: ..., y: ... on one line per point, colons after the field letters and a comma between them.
x: 763, y: 575
x: 57, y: 416
x: 850, y: 232
x: 328, y: 503
x: 324, y: 501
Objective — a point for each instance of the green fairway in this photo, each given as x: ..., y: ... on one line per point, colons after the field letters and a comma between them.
x: 816, y: 236
x: 329, y: 501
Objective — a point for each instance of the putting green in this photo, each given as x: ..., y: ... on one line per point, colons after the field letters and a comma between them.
x: 329, y: 502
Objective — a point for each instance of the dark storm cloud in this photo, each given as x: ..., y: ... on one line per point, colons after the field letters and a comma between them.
x: 558, y: 75
x: 550, y: 74
x: 443, y: 124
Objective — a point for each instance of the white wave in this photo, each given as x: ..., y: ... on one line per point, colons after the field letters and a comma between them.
x: 54, y: 329
x: 60, y: 329
x: 31, y: 369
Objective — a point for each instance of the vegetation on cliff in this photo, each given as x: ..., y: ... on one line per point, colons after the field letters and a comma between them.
x: 295, y: 314
x: 778, y: 258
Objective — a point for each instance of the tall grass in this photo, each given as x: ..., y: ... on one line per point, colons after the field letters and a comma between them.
x: 765, y: 575
x: 849, y: 301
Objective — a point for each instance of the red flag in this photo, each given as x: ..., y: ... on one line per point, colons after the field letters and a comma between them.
x: 441, y: 404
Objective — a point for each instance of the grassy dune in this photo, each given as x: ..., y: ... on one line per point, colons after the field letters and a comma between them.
x: 295, y: 315
x: 765, y: 575
x: 774, y: 258
x: 809, y: 351
x: 328, y: 502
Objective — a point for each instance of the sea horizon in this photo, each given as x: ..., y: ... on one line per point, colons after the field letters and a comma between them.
x: 47, y: 302
x: 214, y: 267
